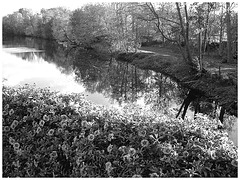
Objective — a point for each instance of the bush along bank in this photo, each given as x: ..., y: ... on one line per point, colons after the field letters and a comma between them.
x: 47, y: 134
x: 214, y: 87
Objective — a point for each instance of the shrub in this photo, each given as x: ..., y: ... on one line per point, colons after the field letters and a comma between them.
x: 47, y: 134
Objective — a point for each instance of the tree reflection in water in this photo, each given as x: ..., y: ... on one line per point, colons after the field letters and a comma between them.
x: 118, y: 81
x: 124, y: 83
x: 107, y: 78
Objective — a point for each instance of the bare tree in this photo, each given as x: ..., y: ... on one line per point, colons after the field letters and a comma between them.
x: 221, y: 32
x: 185, y: 32
x: 229, y: 35
x: 179, y: 33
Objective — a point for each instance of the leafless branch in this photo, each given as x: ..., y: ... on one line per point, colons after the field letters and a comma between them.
x: 146, y: 19
x: 151, y: 8
x: 158, y: 23
x: 70, y: 40
x: 187, y: 20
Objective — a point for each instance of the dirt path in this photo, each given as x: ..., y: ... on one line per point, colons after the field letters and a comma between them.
x: 220, y: 86
x: 211, y: 64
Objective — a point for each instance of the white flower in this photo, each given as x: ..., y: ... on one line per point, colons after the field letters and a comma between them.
x: 41, y: 123
x: 90, y: 137
x: 136, y: 176
x: 46, y: 117
x: 38, y: 130
x: 144, y: 143
x: 50, y: 132
x: 154, y: 175
x: 142, y: 132
x: 110, y: 136
x: 11, y: 140
x: 132, y: 151
x: 108, y: 165
x: 16, y: 146
x: 97, y: 132
x: 109, y: 148
x: 11, y: 112
x: 14, y: 124
x: 127, y: 157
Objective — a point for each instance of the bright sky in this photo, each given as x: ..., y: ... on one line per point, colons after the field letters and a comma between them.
x: 9, y: 6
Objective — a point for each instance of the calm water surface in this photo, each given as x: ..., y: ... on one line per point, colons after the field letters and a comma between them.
x: 109, y: 83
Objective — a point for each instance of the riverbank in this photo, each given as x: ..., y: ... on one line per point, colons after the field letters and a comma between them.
x: 220, y: 86
x: 223, y: 88
x: 46, y: 134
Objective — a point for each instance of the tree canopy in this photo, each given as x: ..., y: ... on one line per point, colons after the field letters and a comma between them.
x: 125, y: 26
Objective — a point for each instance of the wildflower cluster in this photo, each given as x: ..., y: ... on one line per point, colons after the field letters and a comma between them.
x: 46, y: 134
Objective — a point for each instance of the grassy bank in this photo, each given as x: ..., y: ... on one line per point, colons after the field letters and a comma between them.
x: 46, y: 134
x: 222, y: 89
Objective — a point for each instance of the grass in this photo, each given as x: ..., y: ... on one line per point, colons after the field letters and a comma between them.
x: 47, y: 134
x: 222, y: 89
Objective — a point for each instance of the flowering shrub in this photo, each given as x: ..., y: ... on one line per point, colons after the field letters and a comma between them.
x: 47, y: 134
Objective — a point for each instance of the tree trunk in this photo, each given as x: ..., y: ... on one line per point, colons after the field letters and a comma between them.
x: 222, y: 111
x: 126, y: 82
x: 229, y: 35
x: 221, y: 34
x: 185, y: 33
x: 160, y: 84
x: 192, y: 95
x: 197, y: 108
x: 200, y: 50
x: 206, y: 30
x: 187, y: 103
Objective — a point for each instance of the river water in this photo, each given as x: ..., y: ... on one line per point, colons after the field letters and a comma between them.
x: 105, y: 82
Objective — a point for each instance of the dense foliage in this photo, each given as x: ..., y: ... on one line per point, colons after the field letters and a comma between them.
x: 47, y: 134
x: 124, y: 26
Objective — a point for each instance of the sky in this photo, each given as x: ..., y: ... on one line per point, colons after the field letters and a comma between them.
x: 9, y: 6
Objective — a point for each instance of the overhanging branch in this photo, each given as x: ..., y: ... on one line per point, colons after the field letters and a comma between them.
x: 158, y: 23
x: 151, y: 8
x: 71, y: 41
x: 161, y: 31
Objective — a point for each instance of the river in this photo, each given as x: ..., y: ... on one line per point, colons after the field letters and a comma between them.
x: 105, y: 82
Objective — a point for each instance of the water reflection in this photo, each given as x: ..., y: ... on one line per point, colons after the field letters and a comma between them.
x: 106, y: 82
x: 44, y: 74
x: 233, y: 133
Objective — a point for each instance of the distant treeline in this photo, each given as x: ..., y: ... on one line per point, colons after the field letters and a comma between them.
x: 125, y: 26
